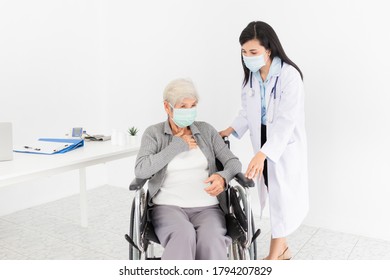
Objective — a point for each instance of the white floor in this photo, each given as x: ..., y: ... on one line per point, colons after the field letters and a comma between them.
x: 52, y: 231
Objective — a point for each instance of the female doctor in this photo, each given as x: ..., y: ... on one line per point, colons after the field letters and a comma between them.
x: 273, y: 112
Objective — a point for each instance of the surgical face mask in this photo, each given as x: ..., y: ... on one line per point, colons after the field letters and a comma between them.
x: 254, y: 63
x: 183, y: 117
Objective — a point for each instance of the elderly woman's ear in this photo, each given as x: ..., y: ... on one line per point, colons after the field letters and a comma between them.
x: 167, y: 108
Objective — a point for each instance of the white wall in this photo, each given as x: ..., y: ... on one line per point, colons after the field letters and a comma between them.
x: 347, y: 116
x: 49, y: 83
x: 135, y: 48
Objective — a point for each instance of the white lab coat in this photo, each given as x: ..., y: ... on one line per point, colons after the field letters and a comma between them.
x: 285, y: 148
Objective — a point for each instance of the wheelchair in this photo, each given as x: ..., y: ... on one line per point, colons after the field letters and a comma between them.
x: 239, y: 221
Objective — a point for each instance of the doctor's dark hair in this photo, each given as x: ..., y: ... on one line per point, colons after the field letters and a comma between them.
x: 267, y: 37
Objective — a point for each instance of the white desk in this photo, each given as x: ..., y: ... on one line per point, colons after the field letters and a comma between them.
x: 25, y: 167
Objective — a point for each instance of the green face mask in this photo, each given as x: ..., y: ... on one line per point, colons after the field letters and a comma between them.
x: 183, y: 117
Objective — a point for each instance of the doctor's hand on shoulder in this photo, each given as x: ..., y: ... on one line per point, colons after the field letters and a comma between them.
x: 256, y: 165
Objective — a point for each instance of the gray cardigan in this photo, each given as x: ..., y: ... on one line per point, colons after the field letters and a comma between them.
x: 159, y: 147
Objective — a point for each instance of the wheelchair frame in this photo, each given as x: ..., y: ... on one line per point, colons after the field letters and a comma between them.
x: 141, y: 247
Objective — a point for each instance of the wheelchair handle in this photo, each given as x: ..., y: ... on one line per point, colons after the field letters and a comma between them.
x: 137, y: 184
x: 226, y: 140
x: 244, y: 181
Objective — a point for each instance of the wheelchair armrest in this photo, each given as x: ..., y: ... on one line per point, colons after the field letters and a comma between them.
x: 244, y: 181
x: 137, y: 184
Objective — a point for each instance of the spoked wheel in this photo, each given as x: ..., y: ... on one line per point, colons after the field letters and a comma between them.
x: 137, y: 209
x: 253, y: 247
x: 244, y: 201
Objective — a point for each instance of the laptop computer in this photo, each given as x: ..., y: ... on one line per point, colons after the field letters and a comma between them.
x: 6, y: 152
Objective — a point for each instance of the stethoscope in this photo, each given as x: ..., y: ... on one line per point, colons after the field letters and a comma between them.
x: 270, y: 110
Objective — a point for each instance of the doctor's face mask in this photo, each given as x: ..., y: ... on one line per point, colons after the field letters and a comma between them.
x: 254, y: 55
x: 254, y: 63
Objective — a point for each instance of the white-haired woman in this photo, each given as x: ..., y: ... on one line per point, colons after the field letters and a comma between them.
x: 186, y: 190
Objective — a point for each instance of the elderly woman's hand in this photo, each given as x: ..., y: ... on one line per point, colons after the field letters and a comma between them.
x: 187, y: 138
x: 217, y: 185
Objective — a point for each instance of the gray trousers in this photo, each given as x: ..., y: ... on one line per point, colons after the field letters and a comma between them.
x: 191, y: 233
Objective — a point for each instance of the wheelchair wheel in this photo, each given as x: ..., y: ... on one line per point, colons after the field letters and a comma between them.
x: 136, y: 247
x: 134, y: 253
x: 238, y: 252
x: 245, y: 251
x: 253, y: 246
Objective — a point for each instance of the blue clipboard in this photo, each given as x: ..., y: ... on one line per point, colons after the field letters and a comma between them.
x: 51, y: 146
x: 74, y: 144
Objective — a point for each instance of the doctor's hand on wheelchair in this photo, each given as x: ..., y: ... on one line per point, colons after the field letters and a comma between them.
x: 217, y: 185
x: 256, y: 166
x: 226, y: 132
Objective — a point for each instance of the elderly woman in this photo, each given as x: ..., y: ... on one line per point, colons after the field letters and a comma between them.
x: 186, y: 190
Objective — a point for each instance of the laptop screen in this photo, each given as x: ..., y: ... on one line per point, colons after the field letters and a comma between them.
x: 6, y: 152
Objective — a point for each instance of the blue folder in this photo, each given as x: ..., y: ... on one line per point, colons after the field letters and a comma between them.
x: 74, y: 143
x: 46, y: 146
